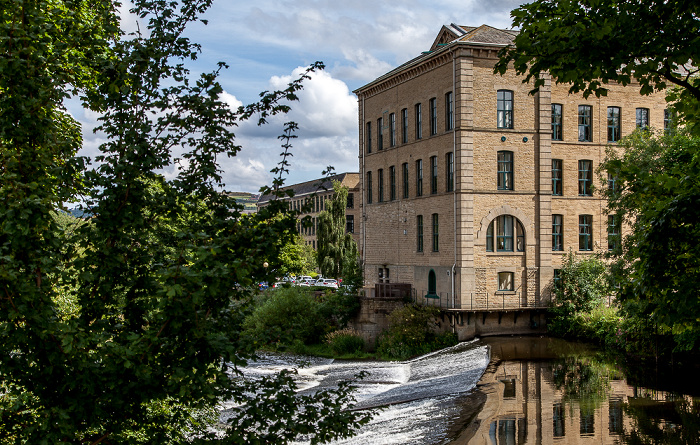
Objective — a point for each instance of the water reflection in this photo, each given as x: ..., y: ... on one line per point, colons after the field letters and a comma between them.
x: 541, y: 391
x: 532, y: 391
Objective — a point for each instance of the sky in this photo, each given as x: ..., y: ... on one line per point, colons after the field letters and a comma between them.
x: 267, y: 43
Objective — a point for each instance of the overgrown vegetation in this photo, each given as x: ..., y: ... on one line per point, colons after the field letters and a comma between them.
x: 412, y: 332
x: 293, y: 318
x: 127, y: 329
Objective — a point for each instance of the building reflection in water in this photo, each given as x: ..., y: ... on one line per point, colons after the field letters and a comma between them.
x: 539, y: 394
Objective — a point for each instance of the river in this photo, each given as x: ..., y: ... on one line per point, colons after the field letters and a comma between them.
x: 507, y: 390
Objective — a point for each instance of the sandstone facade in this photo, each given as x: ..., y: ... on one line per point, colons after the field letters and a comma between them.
x: 465, y: 156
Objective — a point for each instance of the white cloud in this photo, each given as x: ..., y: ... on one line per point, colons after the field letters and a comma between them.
x: 230, y: 100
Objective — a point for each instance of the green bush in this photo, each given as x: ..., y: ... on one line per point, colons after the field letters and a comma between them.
x: 284, y: 317
x: 345, y: 341
x: 339, y: 307
x: 412, y: 332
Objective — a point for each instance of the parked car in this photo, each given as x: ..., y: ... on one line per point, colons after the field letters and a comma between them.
x: 305, y: 280
x: 327, y: 282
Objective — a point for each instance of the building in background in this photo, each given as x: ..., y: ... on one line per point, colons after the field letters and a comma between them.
x: 249, y: 201
x: 317, y: 193
x: 474, y: 189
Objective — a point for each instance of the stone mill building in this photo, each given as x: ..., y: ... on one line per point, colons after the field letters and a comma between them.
x: 473, y: 190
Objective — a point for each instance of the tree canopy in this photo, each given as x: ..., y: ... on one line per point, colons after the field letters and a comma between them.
x: 656, y: 195
x: 337, y: 251
x: 588, y: 44
x: 125, y: 328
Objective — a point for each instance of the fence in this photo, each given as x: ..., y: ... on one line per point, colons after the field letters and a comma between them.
x: 477, y: 300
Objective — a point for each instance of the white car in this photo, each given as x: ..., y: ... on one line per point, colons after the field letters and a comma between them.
x: 304, y: 280
x: 327, y: 282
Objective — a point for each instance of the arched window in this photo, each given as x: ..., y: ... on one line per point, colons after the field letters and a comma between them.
x: 432, y: 283
x: 509, y: 235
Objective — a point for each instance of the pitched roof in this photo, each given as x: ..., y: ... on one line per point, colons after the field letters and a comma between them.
x: 350, y: 179
x: 454, y: 34
x: 488, y: 34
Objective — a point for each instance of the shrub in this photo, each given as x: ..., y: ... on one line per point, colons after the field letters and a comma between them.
x: 412, y: 332
x: 339, y: 307
x: 345, y: 341
x: 286, y: 316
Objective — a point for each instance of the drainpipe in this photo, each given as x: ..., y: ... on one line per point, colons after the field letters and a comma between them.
x: 454, y: 176
x: 362, y: 192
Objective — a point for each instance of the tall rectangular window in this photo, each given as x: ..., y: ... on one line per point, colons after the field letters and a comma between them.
x: 557, y: 232
x: 505, y: 170
x: 419, y: 122
x: 351, y: 200
x: 404, y: 125
x: 433, y: 175
x: 585, y: 232
x: 436, y: 244
x: 612, y: 180
x: 449, y: 112
x: 419, y: 233
x: 433, y: 116
x: 613, y: 232
x: 404, y: 174
x: 613, y: 124
x: 642, y: 118
x: 419, y: 177
x: 369, y: 187
x: 450, y: 167
x: 392, y: 183
x: 504, y: 109
x: 585, y: 125
x: 585, y: 178
x: 557, y: 172
x: 557, y: 134
x: 369, y: 137
x: 350, y: 223
x: 392, y: 130
x: 380, y: 185
x: 380, y: 136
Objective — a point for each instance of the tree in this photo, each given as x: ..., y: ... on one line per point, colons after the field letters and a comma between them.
x: 656, y: 195
x: 126, y: 329
x: 588, y: 44
x: 296, y: 258
x: 337, y: 251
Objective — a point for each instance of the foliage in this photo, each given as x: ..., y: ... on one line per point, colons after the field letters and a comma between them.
x: 591, y: 43
x: 289, y: 317
x: 583, y: 283
x: 285, y: 316
x: 296, y: 258
x: 412, y: 332
x: 128, y: 329
x: 339, y: 307
x: 337, y: 251
x: 344, y: 341
x: 656, y: 195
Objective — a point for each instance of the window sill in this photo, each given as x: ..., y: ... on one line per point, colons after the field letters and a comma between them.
x: 504, y: 253
x: 505, y: 292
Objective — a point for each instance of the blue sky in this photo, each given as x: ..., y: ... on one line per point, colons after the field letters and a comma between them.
x: 268, y: 42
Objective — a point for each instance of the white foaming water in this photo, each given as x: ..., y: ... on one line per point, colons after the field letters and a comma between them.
x: 418, y: 397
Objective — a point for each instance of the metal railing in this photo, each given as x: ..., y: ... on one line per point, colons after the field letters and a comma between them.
x: 479, y: 300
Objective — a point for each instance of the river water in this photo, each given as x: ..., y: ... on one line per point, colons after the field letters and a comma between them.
x: 506, y: 390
